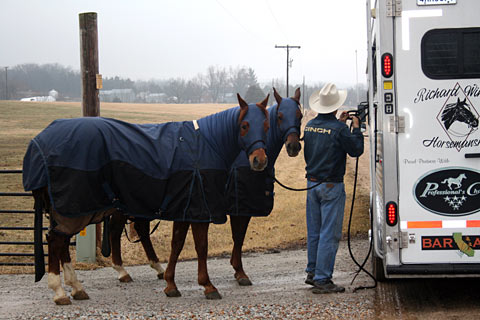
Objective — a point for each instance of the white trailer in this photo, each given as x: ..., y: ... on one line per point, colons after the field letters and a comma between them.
x: 424, y: 105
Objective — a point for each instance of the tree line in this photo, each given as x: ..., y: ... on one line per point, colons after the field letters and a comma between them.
x: 216, y: 85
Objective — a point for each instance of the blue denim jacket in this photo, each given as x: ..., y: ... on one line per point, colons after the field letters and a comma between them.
x: 327, y: 143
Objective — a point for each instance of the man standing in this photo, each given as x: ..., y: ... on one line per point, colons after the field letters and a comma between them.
x: 327, y: 142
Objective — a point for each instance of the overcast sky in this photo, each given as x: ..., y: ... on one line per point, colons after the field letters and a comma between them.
x: 160, y: 39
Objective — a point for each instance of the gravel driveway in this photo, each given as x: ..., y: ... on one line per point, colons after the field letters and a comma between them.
x: 278, y: 292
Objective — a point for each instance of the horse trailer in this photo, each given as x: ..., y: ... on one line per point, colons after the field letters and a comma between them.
x: 424, y: 104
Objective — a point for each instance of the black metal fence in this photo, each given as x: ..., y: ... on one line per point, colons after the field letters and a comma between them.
x: 13, y: 231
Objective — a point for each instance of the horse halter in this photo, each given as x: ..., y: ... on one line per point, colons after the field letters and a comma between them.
x: 261, y: 143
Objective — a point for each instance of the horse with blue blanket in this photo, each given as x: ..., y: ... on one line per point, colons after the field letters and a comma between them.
x: 250, y: 193
x: 83, y: 170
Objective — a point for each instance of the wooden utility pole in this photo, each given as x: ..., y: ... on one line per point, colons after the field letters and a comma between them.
x: 6, y: 81
x: 288, y: 47
x: 89, y: 63
x: 91, y: 80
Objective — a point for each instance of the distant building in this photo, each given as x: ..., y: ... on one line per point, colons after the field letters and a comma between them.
x: 156, y: 98
x: 52, y: 96
x: 117, y: 95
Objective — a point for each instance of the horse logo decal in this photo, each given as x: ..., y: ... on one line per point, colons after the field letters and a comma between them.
x: 458, y: 118
x: 456, y: 181
x: 459, y: 111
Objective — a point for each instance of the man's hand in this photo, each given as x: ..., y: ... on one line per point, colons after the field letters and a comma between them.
x: 343, y: 117
x: 355, y: 122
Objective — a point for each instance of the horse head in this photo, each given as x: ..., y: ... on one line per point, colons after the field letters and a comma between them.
x: 289, y: 117
x: 465, y: 114
x: 459, y: 111
x: 254, y: 124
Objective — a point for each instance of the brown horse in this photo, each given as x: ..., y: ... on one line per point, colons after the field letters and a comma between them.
x: 251, y: 193
x: 83, y: 170
x: 285, y: 118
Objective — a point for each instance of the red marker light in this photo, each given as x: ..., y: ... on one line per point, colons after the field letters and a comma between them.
x: 387, y: 65
x: 392, y: 213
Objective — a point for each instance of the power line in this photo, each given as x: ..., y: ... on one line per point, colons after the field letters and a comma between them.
x: 237, y: 21
x: 288, y: 47
x: 274, y: 18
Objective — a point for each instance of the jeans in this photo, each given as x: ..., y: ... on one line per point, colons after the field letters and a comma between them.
x: 325, y: 206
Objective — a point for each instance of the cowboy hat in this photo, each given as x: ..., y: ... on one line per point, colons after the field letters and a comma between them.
x: 328, y: 99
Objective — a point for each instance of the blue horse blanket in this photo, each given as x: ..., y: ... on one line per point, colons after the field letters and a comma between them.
x: 169, y: 171
x: 251, y: 193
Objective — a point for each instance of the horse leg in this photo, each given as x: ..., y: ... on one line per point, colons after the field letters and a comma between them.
x: 142, y: 227
x: 117, y: 224
x: 70, y: 277
x: 180, y: 230
x: 200, y: 236
x: 239, y: 225
x: 56, y: 242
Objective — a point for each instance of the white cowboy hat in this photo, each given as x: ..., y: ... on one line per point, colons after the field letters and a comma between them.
x: 327, y: 99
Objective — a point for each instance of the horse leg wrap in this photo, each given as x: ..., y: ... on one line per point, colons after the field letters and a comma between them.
x: 78, y: 293
x: 158, y: 267
x: 55, y: 284
x: 123, y: 275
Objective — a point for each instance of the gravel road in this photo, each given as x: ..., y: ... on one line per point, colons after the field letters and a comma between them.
x: 278, y: 292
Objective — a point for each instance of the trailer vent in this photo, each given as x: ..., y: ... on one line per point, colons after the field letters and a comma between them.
x: 392, y: 213
x: 387, y: 62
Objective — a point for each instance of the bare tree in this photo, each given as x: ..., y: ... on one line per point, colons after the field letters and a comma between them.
x: 216, y: 82
x: 195, y: 90
x: 176, y: 89
x: 241, y: 78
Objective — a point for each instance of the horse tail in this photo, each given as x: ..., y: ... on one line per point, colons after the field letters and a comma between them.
x: 106, y: 248
x: 38, y: 235
x: 445, y: 181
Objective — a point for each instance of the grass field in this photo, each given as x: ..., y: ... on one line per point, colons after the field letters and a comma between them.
x: 284, y: 228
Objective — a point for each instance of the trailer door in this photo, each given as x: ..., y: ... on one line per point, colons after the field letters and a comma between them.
x: 437, y: 95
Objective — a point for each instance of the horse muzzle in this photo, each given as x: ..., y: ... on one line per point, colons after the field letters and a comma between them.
x: 292, y: 144
x: 258, y: 160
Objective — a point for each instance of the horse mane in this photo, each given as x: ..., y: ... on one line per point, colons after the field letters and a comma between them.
x: 448, y: 114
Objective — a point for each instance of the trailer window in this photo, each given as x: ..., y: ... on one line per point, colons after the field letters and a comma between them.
x: 451, y: 53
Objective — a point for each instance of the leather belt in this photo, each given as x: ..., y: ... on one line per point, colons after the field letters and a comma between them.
x: 312, y: 179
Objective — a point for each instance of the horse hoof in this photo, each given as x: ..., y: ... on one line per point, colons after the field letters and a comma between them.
x: 126, y: 278
x: 63, y: 301
x: 244, y: 282
x: 214, y: 295
x: 173, y: 293
x: 160, y: 276
x: 80, y: 295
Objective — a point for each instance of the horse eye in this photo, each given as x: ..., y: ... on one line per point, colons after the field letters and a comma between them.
x: 299, y: 114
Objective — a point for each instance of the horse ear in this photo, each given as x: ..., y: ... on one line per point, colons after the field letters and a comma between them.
x: 278, y: 98
x: 242, y: 102
x: 458, y: 100
x: 265, y: 101
x: 296, y: 97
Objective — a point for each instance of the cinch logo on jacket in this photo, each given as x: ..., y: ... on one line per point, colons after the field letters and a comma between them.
x: 318, y: 130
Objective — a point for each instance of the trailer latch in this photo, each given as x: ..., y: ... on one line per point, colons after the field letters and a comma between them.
x: 411, y: 238
x: 398, y: 240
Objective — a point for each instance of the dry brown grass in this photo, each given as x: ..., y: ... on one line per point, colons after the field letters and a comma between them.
x: 284, y: 228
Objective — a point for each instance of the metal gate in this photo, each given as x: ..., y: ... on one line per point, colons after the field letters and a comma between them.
x: 11, y: 232
x: 10, y: 235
